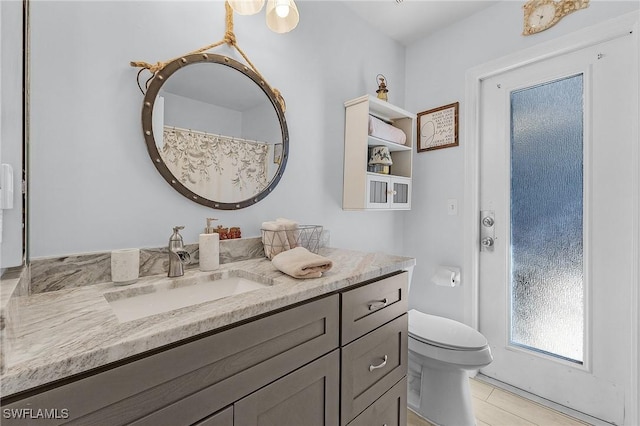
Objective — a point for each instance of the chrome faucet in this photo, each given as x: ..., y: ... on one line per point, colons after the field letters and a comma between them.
x: 178, y: 256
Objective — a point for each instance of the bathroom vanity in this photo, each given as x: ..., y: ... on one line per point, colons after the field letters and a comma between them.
x: 326, y: 351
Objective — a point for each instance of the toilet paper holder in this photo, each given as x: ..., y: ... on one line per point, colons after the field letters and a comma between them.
x: 446, y: 276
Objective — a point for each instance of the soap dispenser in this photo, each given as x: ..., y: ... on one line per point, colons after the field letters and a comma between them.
x: 209, y: 247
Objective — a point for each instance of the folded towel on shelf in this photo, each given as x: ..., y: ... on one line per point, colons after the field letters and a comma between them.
x: 301, y: 263
x: 382, y: 130
x: 274, y: 238
x: 291, y: 229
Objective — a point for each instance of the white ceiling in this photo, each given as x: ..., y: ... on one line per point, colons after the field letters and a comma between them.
x: 411, y: 20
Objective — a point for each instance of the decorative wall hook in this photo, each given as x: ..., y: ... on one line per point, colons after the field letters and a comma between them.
x: 382, y: 87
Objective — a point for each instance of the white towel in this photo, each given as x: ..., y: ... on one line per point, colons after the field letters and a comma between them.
x: 291, y: 229
x: 382, y: 130
x: 274, y: 238
x: 301, y: 263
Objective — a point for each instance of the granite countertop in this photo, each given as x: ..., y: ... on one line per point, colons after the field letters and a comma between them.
x: 54, y: 335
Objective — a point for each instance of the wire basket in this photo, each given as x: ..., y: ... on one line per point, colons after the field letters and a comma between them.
x: 307, y: 236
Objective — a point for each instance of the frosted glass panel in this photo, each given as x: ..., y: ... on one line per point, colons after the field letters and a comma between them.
x: 547, y: 297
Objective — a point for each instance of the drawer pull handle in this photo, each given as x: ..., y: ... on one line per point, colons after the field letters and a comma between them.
x: 375, y: 367
x: 378, y: 304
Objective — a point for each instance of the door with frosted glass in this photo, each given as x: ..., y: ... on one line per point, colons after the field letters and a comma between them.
x: 556, y: 159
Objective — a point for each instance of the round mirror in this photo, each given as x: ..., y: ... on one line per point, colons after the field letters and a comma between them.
x: 215, y: 131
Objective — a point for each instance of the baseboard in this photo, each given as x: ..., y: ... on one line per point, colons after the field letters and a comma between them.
x: 544, y: 402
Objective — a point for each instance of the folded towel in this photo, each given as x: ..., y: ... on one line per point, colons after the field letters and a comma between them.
x: 301, y: 263
x: 291, y: 229
x: 274, y: 238
x: 382, y: 130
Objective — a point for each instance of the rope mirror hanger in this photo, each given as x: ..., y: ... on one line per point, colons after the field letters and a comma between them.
x: 229, y: 39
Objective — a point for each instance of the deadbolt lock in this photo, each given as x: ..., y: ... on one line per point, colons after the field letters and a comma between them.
x: 487, y: 221
x: 487, y: 242
x: 487, y: 230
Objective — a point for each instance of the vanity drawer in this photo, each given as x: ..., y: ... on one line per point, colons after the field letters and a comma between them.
x: 186, y: 383
x: 368, y: 307
x: 371, y: 365
x: 389, y: 410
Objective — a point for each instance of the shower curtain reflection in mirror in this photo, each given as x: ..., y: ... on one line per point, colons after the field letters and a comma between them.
x: 218, y: 167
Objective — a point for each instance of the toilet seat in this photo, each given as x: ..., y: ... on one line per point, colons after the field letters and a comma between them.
x: 444, y: 332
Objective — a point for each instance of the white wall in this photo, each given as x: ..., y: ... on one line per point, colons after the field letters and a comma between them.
x: 92, y: 184
x: 187, y: 113
x: 436, y: 68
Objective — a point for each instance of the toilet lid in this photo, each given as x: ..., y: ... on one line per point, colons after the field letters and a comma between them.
x: 444, y: 332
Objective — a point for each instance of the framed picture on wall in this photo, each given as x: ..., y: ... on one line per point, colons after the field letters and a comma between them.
x: 438, y: 128
x: 277, y: 153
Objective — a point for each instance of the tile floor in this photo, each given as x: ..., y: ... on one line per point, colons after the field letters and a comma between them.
x: 496, y: 407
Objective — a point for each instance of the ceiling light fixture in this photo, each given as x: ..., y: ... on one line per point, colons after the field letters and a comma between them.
x: 282, y: 15
x: 282, y: 8
x: 246, y: 7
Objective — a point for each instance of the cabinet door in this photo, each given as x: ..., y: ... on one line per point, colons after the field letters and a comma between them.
x: 221, y: 418
x: 378, y: 191
x: 308, y: 396
x: 388, y: 192
x: 400, y: 193
x: 389, y: 410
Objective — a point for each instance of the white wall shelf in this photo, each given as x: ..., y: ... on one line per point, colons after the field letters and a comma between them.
x: 373, y: 141
x: 364, y: 190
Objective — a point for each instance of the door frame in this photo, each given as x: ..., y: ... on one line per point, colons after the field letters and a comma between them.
x: 625, y: 25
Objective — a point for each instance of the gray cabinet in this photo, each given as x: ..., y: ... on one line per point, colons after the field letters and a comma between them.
x: 389, y: 410
x: 305, y: 397
x: 221, y: 418
x: 188, y: 382
x: 298, y: 366
x: 375, y: 344
x: 371, y: 365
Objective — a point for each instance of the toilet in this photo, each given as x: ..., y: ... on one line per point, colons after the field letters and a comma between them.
x: 441, y: 352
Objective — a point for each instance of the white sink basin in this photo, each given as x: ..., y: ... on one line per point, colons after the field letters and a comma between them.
x: 173, y: 293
